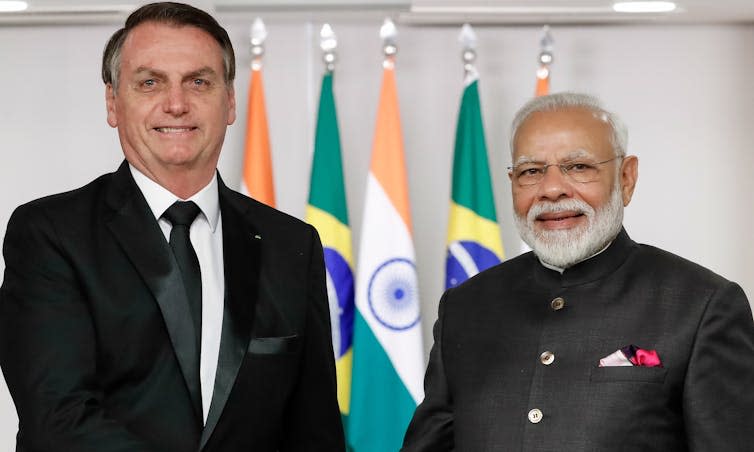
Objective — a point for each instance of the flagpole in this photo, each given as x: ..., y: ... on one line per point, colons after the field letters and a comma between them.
x: 257, y: 36
x: 468, y: 41
x: 328, y: 42
x: 388, y: 34
x: 546, y: 44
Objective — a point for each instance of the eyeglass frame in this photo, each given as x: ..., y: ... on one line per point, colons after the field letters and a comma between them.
x: 564, y: 169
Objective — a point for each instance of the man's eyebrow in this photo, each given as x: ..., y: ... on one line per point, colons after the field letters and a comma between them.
x: 150, y: 71
x: 201, y: 72
x: 525, y: 159
x: 578, y: 154
x: 573, y: 155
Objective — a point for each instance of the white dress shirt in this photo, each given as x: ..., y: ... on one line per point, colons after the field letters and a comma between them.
x: 206, y: 234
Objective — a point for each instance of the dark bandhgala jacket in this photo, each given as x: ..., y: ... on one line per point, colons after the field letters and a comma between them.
x: 489, y: 368
x: 97, y: 353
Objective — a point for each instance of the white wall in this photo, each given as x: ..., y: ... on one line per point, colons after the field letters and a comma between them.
x: 684, y: 91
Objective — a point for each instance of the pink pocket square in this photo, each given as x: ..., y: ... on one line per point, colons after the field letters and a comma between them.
x: 631, y: 355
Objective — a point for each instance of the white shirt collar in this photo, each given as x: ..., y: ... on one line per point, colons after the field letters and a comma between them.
x: 159, y: 198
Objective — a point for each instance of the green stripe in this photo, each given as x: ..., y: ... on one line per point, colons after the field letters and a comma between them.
x: 327, y: 192
x: 381, y: 406
x: 472, y: 187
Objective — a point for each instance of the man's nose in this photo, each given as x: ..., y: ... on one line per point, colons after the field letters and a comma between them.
x: 555, y: 184
x: 176, y: 102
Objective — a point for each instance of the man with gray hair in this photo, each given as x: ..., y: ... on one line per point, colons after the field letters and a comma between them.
x: 591, y: 342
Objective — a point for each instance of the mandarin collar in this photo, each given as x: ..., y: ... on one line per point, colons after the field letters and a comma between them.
x: 592, y: 269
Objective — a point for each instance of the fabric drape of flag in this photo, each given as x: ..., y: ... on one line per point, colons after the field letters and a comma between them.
x: 328, y: 212
x: 257, y: 166
x: 388, y: 361
x: 473, y: 233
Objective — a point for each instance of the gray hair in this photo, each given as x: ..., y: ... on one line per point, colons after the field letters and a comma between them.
x: 568, y: 100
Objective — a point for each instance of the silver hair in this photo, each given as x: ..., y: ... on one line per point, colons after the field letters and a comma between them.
x: 567, y: 100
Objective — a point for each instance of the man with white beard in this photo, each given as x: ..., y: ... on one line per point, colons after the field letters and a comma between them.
x: 591, y: 342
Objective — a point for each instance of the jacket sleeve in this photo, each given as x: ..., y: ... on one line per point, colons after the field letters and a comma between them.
x: 431, y: 428
x: 48, y: 346
x: 313, y: 421
x: 718, y: 396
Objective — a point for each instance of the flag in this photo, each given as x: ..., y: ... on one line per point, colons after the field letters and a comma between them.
x: 327, y: 211
x: 388, y: 360
x: 543, y: 81
x: 257, y: 166
x: 473, y: 233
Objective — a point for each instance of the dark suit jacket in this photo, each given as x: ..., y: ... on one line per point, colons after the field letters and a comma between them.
x: 96, y: 351
x: 485, y: 373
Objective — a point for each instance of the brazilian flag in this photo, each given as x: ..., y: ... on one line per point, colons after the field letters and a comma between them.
x: 473, y: 233
x: 328, y: 213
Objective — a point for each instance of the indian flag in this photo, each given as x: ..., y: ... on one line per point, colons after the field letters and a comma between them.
x: 257, y: 165
x: 327, y: 211
x: 388, y: 361
x: 473, y: 233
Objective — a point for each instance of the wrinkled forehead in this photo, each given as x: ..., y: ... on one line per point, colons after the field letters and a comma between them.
x: 559, y: 135
x: 574, y: 117
x: 151, y: 37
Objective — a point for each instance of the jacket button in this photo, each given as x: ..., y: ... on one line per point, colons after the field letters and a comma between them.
x: 557, y: 304
x: 547, y: 358
x: 535, y: 416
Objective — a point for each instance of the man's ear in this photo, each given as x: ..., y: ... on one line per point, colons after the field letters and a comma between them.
x: 112, y: 116
x: 629, y: 173
x: 231, y: 105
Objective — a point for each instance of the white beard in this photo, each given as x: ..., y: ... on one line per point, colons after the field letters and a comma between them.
x: 563, y: 248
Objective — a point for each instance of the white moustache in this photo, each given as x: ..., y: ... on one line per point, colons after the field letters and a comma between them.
x: 566, y: 205
x: 563, y: 248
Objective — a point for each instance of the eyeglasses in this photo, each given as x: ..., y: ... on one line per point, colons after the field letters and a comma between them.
x: 532, y: 173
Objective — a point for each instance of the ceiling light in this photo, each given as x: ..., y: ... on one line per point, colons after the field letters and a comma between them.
x: 12, y: 6
x: 643, y: 7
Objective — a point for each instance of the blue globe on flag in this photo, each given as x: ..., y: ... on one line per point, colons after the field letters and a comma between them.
x: 340, y: 296
x: 465, y: 259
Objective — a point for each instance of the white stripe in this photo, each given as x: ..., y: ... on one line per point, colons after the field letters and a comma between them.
x: 335, y: 311
x: 464, y: 258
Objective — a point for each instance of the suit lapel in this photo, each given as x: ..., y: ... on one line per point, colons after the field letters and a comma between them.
x: 133, y: 225
x: 241, y: 255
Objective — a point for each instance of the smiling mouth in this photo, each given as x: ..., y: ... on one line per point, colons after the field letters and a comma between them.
x: 559, y: 216
x: 174, y: 129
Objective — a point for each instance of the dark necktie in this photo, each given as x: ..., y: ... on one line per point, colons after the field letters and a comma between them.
x: 181, y: 214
